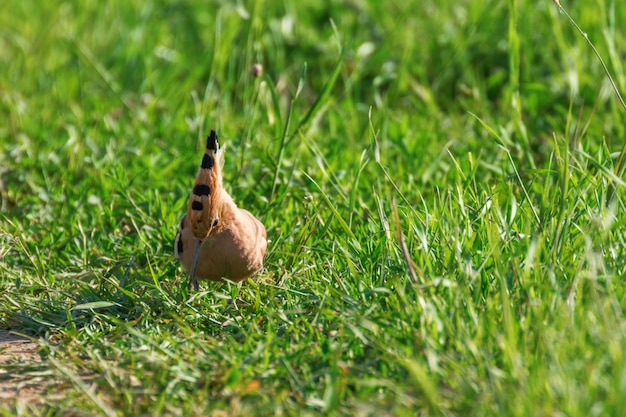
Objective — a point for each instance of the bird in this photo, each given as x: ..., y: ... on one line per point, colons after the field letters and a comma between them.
x: 217, y: 240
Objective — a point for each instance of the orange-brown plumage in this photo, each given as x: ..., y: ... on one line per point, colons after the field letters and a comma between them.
x: 216, y: 239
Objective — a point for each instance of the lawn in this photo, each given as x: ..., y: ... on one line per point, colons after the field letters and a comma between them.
x: 440, y: 181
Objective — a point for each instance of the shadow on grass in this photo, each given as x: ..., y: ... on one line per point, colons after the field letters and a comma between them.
x: 74, y: 300
x: 127, y: 295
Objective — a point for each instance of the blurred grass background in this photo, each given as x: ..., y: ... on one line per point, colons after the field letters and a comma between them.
x: 480, y: 135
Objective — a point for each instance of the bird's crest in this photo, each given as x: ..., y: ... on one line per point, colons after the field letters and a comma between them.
x: 204, y: 203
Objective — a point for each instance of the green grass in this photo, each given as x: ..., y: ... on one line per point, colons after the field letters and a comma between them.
x: 482, y: 140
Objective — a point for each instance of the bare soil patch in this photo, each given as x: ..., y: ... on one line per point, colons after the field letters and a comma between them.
x: 19, y: 363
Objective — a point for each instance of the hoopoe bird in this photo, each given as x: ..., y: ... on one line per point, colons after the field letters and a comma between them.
x: 216, y: 239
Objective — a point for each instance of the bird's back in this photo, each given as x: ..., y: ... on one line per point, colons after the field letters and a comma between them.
x: 235, y: 253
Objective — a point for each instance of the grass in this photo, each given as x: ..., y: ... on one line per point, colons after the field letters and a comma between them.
x: 434, y: 178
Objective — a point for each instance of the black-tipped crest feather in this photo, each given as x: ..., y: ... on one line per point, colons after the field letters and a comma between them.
x: 212, y: 143
x: 204, y: 199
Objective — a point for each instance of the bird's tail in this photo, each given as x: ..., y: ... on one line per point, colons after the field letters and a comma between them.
x: 204, y: 202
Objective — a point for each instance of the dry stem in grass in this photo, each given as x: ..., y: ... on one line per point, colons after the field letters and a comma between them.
x: 619, y: 170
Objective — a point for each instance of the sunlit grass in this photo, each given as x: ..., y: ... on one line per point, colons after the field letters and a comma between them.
x: 433, y: 178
